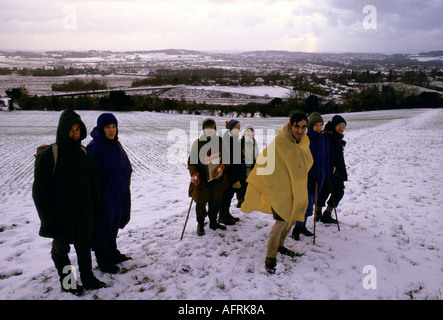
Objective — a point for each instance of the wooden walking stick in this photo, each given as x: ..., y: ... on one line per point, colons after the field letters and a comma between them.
x: 335, y: 210
x: 336, y: 217
x: 315, y: 210
x: 187, y: 216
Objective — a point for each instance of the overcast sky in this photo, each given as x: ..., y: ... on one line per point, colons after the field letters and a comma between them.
x: 385, y: 26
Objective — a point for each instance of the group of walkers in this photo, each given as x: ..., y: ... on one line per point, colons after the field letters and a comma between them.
x: 219, y: 167
x: 82, y: 195
x: 308, y: 168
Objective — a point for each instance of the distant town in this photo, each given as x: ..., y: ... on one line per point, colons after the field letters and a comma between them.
x: 194, y: 81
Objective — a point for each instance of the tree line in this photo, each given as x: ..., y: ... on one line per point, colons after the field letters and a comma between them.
x: 79, y: 85
x: 370, y: 98
x: 302, y: 81
x: 52, y: 72
x: 209, y: 76
x: 412, y: 77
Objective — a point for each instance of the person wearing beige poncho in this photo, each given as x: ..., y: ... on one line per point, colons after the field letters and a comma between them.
x: 278, y: 184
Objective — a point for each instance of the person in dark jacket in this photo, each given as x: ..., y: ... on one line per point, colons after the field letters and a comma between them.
x: 250, y: 152
x: 67, y: 199
x: 114, y: 172
x: 207, y: 164
x: 319, y: 171
x: 235, y: 172
x: 333, y: 189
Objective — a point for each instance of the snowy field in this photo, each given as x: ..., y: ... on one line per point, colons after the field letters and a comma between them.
x: 390, y: 218
x: 271, y: 91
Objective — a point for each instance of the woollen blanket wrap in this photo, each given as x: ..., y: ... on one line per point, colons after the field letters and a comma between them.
x: 285, y: 189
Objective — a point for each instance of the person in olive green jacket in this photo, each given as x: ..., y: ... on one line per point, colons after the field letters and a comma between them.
x: 207, y: 164
x: 66, y: 196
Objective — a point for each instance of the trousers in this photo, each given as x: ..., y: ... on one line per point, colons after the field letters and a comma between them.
x: 213, y: 209
x: 59, y: 254
x: 277, y: 236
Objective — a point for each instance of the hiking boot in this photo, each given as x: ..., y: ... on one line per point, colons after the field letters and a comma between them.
x: 327, y: 218
x: 270, y: 264
x: 296, y: 233
x: 214, y: 225
x: 78, y: 290
x: 201, y: 229
x: 119, y: 257
x: 90, y: 282
x: 305, y: 231
x: 226, y: 218
x: 233, y: 218
x: 286, y: 251
x: 109, y: 268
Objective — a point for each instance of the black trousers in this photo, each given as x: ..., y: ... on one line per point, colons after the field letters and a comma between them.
x: 227, y: 198
x: 104, y: 241
x: 332, y: 191
x: 213, y: 209
x: 59, y: 254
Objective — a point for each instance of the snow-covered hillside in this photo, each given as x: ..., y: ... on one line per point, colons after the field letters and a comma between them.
x: 390, y: 218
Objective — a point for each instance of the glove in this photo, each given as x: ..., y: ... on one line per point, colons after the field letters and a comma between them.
x: 219, y: 171
x: 195, y: 179
x: 237, y: 185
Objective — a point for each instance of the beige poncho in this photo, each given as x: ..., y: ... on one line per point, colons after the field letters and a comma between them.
x: 280, y: 177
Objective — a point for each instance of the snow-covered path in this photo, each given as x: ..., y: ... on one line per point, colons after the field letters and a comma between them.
x: 389, y: 219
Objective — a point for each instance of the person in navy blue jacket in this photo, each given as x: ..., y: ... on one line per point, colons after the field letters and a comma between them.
x: 334, y: 188
x: 319, y: 172
x: 115, y: 171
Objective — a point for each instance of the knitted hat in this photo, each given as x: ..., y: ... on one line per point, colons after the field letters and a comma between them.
x: 248, y: 126
x: 231, y: 124
x: 337, y: 119
x: 314, y: 118
x: 106, y: 118
x: 209, y: 123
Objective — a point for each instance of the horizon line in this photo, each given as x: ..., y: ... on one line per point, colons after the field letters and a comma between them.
x: 221, y: 51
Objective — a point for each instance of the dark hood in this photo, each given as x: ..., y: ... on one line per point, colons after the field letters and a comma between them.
x: 330, y: 127
x: 99, y: 135
x: 67, y: 119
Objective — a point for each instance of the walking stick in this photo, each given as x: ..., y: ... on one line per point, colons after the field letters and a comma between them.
x: 336, y: 217
x: 333, y: 202
x: 187, y: 216
x: 315, y: 210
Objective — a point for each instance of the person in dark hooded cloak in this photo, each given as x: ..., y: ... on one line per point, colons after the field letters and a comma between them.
x: 66, y: 196
x: 114, y: 172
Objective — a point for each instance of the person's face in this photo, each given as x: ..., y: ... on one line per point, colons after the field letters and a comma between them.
x: 209, y: 131
x: 74, y: 132
x: 249, y: 133
x: 110, y: 131
x: 318, y: 127
x: 236, y: 130
x: 299, y: 129
x: 340, y: 128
